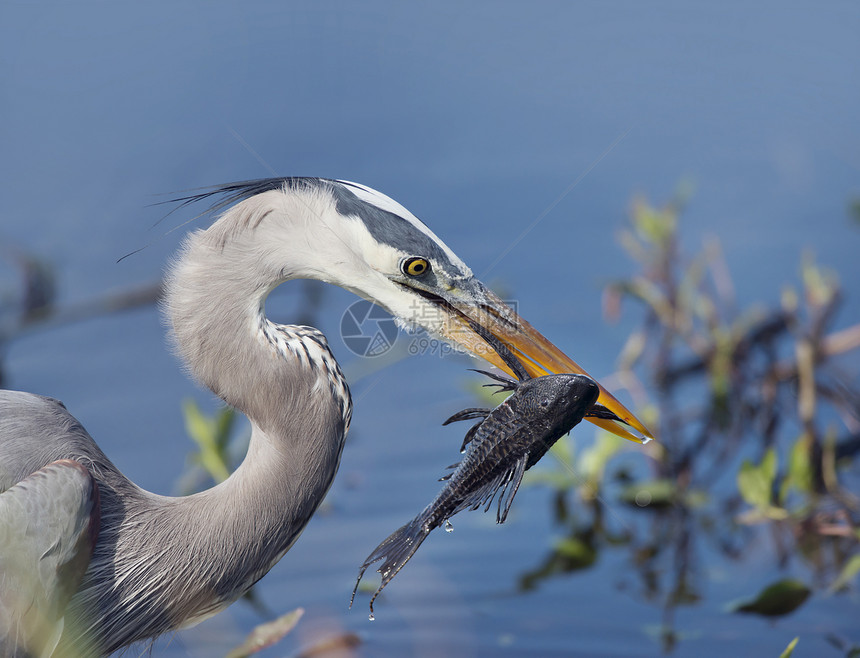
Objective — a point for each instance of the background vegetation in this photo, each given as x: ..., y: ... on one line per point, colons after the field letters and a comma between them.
x: 757, y: 412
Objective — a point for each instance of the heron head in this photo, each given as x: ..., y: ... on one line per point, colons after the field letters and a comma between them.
x: 420, y: 281
x: 359, y: 239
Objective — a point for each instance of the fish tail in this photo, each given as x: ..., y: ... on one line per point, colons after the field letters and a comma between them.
x: 395, y: 551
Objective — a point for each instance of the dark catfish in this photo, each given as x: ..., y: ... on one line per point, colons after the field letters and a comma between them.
x: 506, y: 442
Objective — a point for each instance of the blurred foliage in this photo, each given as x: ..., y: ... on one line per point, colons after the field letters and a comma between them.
x: 844, y: 647
x: 757, y: 418
x: 854, y: 210
x: 219, y: 452
x: 212, y: 435
x: 265, y: 635
x: 776, y: 600
x: 30, y: 303
x: 789, y: 650
x: 758, y: 433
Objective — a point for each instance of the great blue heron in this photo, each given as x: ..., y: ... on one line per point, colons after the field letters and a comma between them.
x: 160, y: 563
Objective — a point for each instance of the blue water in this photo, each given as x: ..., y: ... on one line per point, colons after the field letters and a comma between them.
x: 478, y: 118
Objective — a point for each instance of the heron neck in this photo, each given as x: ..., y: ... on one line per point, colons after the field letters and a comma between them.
x: 215, y: 299
x: 163, y: 562
x: 230, y: 535
x: 166, y: 562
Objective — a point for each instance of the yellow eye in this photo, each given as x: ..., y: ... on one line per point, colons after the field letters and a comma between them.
x: 415, y: 266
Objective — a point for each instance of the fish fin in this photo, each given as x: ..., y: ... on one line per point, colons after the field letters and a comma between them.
x: 395, y: 550
x: 483, y: 496
x: 507, y: 482
x: 509, y: 489
x: 470, y: 435
x: 505, y: 383
x: 505, y: 423
x: 468, y: 414
x: 447, y: 476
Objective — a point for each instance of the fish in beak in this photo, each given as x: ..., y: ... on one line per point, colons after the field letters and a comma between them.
x: 539, y: 356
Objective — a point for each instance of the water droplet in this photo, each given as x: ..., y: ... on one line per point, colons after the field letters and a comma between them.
x: 448, y: 526
x: 370, y: 617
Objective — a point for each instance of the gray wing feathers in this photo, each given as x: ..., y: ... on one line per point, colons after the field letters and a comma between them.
x: 36, y: 431
x: 48, y: 525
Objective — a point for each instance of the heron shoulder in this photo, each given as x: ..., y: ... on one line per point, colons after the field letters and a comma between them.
x: 37, y: 430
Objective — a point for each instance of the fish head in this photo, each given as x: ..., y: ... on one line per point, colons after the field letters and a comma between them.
x: 561, y: 401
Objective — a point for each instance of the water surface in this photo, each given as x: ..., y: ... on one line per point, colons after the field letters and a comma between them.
x: 480, y: 119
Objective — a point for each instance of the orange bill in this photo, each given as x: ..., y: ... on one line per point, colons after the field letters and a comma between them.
x: 537, y: 354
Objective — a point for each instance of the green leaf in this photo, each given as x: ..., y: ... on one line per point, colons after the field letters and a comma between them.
x: 790, y: 648
x: 768, y: 465
x: 819, y: 285
x: 789, y: 299
x: 656, y: 493
x: 721, y: 365
x: 577, y: 553
x: 196, y: 424
x: 800, y: 475
x: 211, y: 435
x: 776, y: 600
x: 849, y: 571
x: 558, y: 473
x: 696, y: 498
x: 224, y: 418
x: 557, y: 479
x: 593, y: 461
x: 654, y: 225
x: 750, y: 484
x: 755, y: 483
x: 563, y: 451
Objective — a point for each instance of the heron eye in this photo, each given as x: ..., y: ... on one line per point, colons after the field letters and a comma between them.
x: 415, y: 266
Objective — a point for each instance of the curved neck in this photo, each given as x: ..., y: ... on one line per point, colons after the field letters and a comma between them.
x: 283, y: 378
x: 214, y: 304
x: 167, y: 562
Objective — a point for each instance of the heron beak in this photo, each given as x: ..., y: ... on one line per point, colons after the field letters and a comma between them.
x: 538, y: 355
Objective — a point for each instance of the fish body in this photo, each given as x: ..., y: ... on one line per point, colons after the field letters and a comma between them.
x: 507, y: 441
x: 510, y: 439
